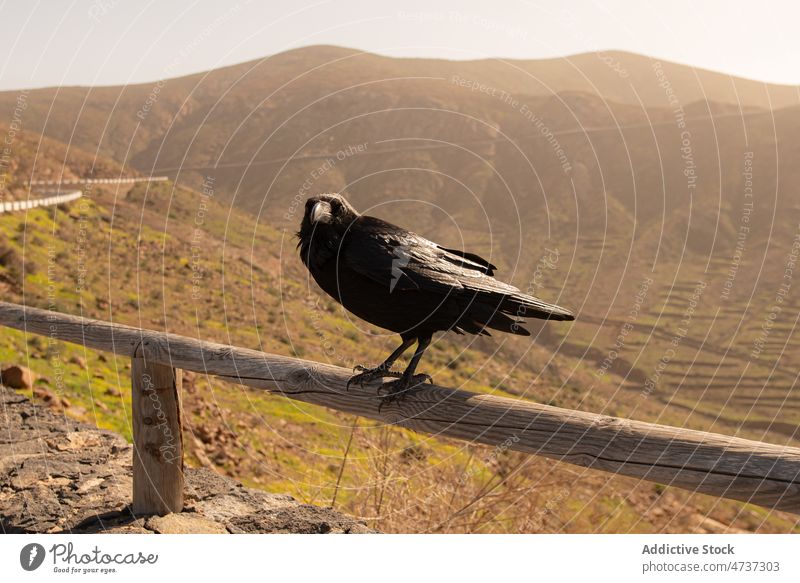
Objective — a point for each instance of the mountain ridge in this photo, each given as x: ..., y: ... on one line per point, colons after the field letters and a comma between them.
x: 788, y: 94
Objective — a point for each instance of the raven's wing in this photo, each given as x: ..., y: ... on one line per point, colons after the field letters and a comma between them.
x: 402, y: 260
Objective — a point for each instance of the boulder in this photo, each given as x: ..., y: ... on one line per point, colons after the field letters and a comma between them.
x: 17, y: 377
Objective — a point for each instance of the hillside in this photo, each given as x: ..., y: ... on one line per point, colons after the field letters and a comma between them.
x: 46, y: 159
x: 171, y: 258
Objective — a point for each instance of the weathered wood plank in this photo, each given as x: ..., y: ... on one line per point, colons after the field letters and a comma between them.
x: 157, y: 437
x: 761, y: 473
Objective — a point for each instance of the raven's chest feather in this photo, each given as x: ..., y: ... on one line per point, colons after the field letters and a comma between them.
x: 354, y: 291
x: 407, y: 312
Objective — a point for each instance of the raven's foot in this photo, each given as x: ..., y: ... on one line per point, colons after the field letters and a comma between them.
x: 401, y: 388
x: 366, y: 375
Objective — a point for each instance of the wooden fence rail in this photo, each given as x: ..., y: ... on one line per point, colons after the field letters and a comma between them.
x: 21, y: 205
x: 729, y: 467
x: 97, y: 181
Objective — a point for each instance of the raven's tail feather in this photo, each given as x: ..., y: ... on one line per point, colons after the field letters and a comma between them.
x: 507, y: 313
x: 525, y: 306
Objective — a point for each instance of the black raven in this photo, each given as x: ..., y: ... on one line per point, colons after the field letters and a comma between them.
x: 405, y: 283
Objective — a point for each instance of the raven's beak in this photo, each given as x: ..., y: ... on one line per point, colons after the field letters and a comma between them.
x: 321, y: 213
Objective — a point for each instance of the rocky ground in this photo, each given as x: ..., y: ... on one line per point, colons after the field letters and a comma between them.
x: 58, y: 475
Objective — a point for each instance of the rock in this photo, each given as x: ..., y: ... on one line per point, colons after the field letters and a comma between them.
x: 76, y: 412
x: 44, y: 394
x: 700, y: 524
x: 204, y: 434
x: 61, y: 476
x: 80, y: 361
x: 201, y: 456
x: 189, y: 382
x: 184, y: 523
x: 17, y: 377
x: 126, y: 529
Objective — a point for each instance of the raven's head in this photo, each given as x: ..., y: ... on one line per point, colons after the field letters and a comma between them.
x: 329, y: 209
x: 327, y: 218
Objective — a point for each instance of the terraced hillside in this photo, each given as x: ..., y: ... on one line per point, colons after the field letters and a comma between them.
x: 728, y: 364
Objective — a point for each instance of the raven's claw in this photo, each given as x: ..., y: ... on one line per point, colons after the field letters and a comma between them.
x: 401, y: 388
x: 370, y: 374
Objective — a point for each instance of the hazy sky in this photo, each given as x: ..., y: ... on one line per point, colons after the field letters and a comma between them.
x: 102, y: 42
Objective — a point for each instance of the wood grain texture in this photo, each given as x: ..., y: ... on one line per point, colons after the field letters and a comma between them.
x: 157, y: 437
x: 729, y: 467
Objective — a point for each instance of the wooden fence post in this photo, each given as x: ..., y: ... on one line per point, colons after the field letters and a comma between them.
x: 157, y: 437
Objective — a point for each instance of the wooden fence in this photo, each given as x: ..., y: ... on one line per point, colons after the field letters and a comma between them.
x: 21, y: 205
x: 97, y: 181
x: 728, y: 467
